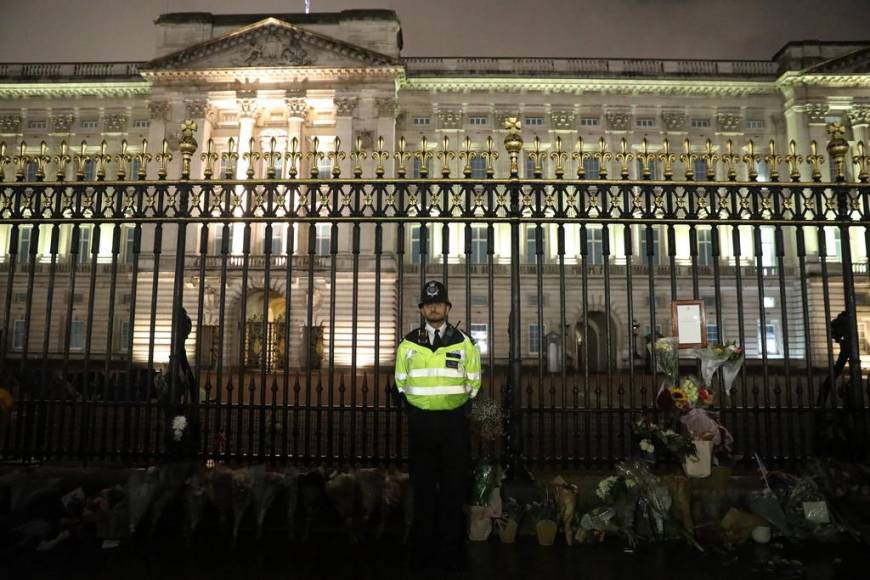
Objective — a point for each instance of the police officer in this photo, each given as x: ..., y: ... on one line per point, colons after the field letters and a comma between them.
x: 438, y: 371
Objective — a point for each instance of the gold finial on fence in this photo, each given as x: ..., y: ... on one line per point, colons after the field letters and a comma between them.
x: 731, y: 160
x: 578, y: 156
x: 61, y: 160
x: 538, y: 157
x: 794, y: 160
x: 252, y: 156
x: 123, y: 159
x: 688, y: 159
x: 423, y: 156
x: 294, y: 156
x: 646, y: 158
x: 751, y: 159
x: 772, y: 159
x: 162, y: 159
x: 838, y: 149
x: 466, y: 155
x: 187, y: 146
x: 401, y: 156
x: 209, y: 157
x: 380, y: 156
x: 862, y: 161
x: 710, y: 158
x: 489, y: 155
x: 603, y: 156
x: 336, y: 156
x: 357, y: 155
x: 513, y: 143
x: 560, y: 157
x: 445, y: 156
x: 624, y: 157
x: 667, y: 158
x: 815, y: 159
x: 143, y: 158
x: 4, y: 161
x: 102, y: 158
x: 41, y: 159
x: 80, y: 160
x: 20, y: 160
x: 271, y: 157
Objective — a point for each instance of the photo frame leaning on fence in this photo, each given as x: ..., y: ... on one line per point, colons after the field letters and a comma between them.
x: 689, y: 323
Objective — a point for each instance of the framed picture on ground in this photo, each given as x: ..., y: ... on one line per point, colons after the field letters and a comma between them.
x: 689, y: 324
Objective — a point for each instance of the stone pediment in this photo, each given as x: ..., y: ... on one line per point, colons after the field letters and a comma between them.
x: 270, y: 43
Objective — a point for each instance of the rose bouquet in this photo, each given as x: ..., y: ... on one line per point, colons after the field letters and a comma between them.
x: 693, y: 400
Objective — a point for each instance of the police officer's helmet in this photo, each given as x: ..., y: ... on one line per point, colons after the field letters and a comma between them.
x: 434, y: 292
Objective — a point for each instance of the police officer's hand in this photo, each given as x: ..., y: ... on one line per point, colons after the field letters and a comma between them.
x: 397, y: 398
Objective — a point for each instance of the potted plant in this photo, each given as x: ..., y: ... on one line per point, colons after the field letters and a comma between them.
x: 544, y: 514
x: 487, y: 420
x: 509, y: 522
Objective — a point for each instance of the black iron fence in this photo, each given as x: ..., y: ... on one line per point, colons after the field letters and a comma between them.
x: 256, y: 319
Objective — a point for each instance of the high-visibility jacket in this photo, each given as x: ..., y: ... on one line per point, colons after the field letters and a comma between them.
x: 438, y: 379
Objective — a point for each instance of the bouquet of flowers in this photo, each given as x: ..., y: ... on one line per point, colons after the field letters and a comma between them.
x: 487, y: 417
x: 653, y: 437
x: 692, y: 400
x: 667, y: 358
x: 727, y: 356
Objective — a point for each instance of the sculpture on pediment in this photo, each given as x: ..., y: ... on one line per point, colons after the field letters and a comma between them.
x: 728, y: 122
x: 10, y: 123
x: 562, y: 119
x: 674, y: 120
x: 345, y: 106
x: 618, y: 120
x: 450, y: 119
x: 115, y: 123
x: 61, y: 123
x: 272, y: 48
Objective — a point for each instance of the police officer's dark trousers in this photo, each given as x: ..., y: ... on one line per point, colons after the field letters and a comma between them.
x: 439, y: 465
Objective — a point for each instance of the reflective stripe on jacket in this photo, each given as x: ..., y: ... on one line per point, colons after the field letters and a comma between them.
x: 441, y: 379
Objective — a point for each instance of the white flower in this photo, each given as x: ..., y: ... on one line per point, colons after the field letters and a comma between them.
x: 179, y: 424
x: 604, y: 487
x: 629, y: 483
x: 646, y: 446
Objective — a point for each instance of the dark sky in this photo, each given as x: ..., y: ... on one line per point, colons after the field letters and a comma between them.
x: 120, y: 30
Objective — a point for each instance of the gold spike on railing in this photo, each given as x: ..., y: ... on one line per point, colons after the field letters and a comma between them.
x: 380, y: 156
x: 4, y: 161
x: 313, y: 157
x: 294, y: 157
x: 624, y: 157
x: 162, y: 159
x: 61, y: 161
x: 466, y: 155
x: 578, y: 156
x: 667, y: 158
x: 773, y: 160
x: 794, y: 161
x: 646, y: 158
x: 80, y: 160
x: 838, y: 149
x: 862, y: 161
x: 271, y: 157
x: 688, y: 159
x: 357, y: 155
x: 252, y: 156
x: 188, y: 145
x: 336, y: 156
x: 815, y: 159
x: 102, y: 158
x: 751, y: 158
x: 423, y: 156
x: 208, y: 157
x: 401, y: 156
x: 143, y: 158
x: 20, y: 160
x: 731, y: 160
x: 710, y: 158
x: 513, y: 143
x: 123, y: 159
x: 445, y: 156
x: 537, y: 156
x: 560, y: 157
x: 489, y: 154
x: 42, y: 158
x: 603, y: 156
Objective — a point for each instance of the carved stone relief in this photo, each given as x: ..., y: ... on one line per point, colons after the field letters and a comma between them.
x: 674, y: 120
x: 159, y: 110
x: 816, y: 112
x: 345, y: 106
x: 728, y: 122
x: 272, y: 48
x: 115, y: 123
x: 618, y: 120
x: 562, y: 119
x: 450, y: 119
x: 62, y: 122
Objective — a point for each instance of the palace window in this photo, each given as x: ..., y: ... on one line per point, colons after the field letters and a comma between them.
x: 755, y: 124
x: 478, y: 244
x: 480, y: 333
x: 768, y: 247
x: 594, y: 245
x: 770, y: 337
x: 705, y: 246
x: 833, y: 244
x: 700, y: 123
x: 37, y: 124
x: 129, y: 239
x: 18, y: 335
x: 323, y: 239
x: 699, y: 170
x: 534, y: 339
x: 645, y: 122
x: 478, y: 168
x: 220, y: 230
x: 478, y: 120
x: 24, y: 238
x: 90, y: 124
x: 592, y: 168
x: 422, y: 121
x: 77, y: 335
x: 85, y: 244
x: 534, y: 122
x: 656, y: 253
x: 589, y: 121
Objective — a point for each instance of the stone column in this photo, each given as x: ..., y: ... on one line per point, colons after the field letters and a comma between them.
x: 387, y: 111
x: 345, y: 107
x: 247, y: 119
x: 859, y: 117
x: 200, y: 111
x: 297, y: 111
